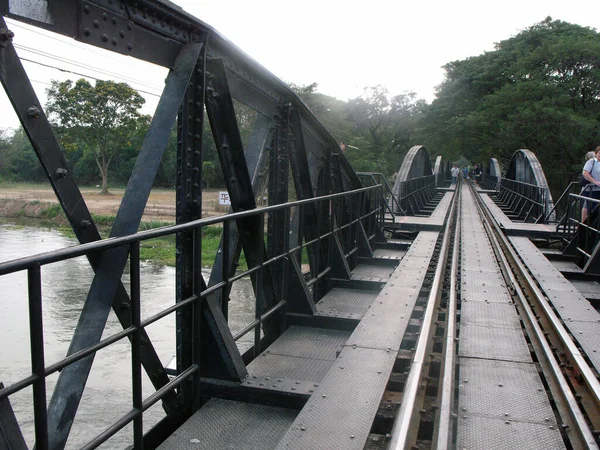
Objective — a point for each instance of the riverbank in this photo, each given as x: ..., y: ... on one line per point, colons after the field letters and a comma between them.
x: 28, y: 206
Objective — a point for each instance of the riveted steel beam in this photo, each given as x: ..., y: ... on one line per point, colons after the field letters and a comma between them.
x: 71, y: 382
x: 221, y: 113
x: 48, y: 150
x: 188, y: 270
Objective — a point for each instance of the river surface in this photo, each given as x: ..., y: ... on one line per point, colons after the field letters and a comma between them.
x: 107, y: 395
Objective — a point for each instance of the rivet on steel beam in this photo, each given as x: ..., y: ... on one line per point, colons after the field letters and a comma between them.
x: 122, y: 34
x: 61, y: 173
x: 87, y: 31
x: 85, y: 224
x: 96, y: 24
x: 105, y: 37
x: 86, y: 9
x: 114, y: 41
x: 33, y: 112
x: 129, y: 47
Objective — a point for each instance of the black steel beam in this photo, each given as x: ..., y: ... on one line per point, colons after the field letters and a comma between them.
x: 279, y: 172
x: 309, y: 220
x: 154, y: 30
x: 226, y: 261
x: 48, y: 150
x: 71, y: 382
x: 221, y: 113
x: 190, y: 126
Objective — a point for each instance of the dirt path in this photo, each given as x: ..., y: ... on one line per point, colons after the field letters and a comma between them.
x: 160, y: 205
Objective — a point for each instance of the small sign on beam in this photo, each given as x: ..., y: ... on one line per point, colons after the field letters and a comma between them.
x: 224, y: 198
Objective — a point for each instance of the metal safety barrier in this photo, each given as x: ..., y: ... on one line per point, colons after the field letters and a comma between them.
x: 361, y: 222
x: 390, y: 201
x: 414, y: 195
x: 582, y: 236
x: 523, y: 201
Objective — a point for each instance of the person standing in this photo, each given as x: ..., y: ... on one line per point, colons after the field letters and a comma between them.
x: 455, y: 172
x: 591, y: 172
x: 477, y: 174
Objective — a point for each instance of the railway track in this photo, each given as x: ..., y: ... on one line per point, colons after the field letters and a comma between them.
x: 429, y: 400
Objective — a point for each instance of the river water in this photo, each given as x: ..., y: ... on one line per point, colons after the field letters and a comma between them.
x: 107, y: 395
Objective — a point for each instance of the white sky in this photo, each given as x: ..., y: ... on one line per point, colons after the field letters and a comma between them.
x: 344, y: 46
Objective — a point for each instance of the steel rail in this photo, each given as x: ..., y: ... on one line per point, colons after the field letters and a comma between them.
x: 561, y: 391
x: 406, y: 417
x: 443, y: 435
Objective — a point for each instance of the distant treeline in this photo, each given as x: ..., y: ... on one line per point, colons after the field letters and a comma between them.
x: 538, y: 90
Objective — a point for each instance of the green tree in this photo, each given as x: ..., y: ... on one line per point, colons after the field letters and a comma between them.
x: 538, y: 90
x: 100, y: 119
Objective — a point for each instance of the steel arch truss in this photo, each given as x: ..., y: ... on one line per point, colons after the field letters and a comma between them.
x: 441, y: 171
x: 287, y: 147
x: 524, y: 192
x: 415, y: 184
x: 491, y: 175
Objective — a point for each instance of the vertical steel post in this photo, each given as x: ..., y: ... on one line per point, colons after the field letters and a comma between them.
x: 36, y: 330
x: 136, y: 343
x: 190, y: 127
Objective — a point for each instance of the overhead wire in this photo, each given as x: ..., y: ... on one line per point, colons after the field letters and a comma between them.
x: 88, y: 49
x: 85, y: 66
x: 80, y: 74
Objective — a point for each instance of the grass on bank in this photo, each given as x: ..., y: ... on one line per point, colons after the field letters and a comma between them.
x: 159, y: 250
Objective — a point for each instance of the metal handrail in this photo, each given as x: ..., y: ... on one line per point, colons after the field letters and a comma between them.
x: 559, y: 202
x: 415, y: 190
x: 530, y: 200
x: 370, y: 208
x: 388, y: 194
x: 109, y: 243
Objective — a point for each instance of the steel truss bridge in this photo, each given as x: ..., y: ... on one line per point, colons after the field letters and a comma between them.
x: 426, y: 314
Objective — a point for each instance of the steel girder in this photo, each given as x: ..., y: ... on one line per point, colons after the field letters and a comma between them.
x: 154, y: 31
x: 207, y: 70
x: 493, y: 169
x: 441, y: 170
x: 524, y: 167
x: 416, y: 166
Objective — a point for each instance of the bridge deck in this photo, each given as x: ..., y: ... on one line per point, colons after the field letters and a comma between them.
x: 578, y: 316
x: 435, y: 222
x: 502, y: 401
x: 342, y: 374
x: 345, y: 391
x: 518, y: 228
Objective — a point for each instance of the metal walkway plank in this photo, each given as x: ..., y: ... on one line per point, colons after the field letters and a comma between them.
x: 493, y: 434
x: 502, y: 402
x: 483, y: 314
x: 435, y: 222
x: 371, y: 272
x: 226, y: 424
x: 517, y: 228
x: 346, y: 303
x: 570, y: 305
x: 300, y: 353
x: 340, y: 413
x: 388, y: 253
x: 503, y: 390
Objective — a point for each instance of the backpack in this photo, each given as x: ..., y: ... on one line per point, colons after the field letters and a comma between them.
x: 582, y: 181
